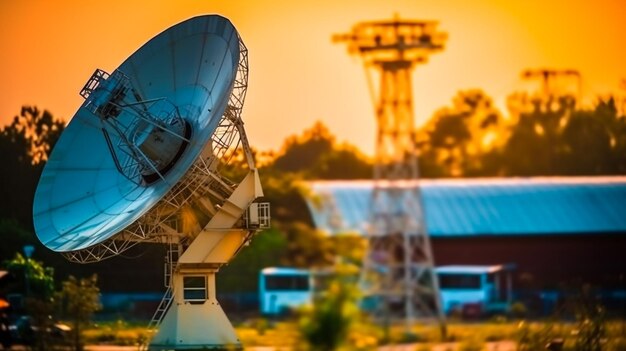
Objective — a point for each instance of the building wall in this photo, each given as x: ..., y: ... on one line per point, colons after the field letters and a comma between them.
x: 551, y: 260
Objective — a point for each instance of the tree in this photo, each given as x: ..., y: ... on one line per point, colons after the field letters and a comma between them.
x: 300, y: 153
x: 79, y: 300
x: 36, y: 132
x: 343, y: 162
x: 350, y: 247
x: 326, y: 325
x: 595, y: 141
x: 242, y: 273
x: 456, y: 138
x: 282, y: 190
x: 306, y: 246
x: 13, y: 237
x: 535, y: 142
x: 316, y: 155
x: 558, y: 139
x: 37, y: 283
x: 24, y: 145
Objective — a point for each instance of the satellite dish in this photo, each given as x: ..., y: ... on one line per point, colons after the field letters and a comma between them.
x: 140, y: 162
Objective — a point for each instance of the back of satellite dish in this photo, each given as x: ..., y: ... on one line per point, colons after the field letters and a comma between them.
x: 140, y: 162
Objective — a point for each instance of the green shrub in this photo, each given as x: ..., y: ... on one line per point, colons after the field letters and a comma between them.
x: 325, y: 327
x: 518, y: 310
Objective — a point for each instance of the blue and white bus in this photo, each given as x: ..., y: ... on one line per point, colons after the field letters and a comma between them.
x: 282, y: 289
x: 488, y: 288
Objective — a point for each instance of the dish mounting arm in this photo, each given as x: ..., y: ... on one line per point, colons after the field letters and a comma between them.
x: 145, y: 137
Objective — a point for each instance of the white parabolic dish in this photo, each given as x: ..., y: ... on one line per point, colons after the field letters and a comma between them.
x: 82, y: 199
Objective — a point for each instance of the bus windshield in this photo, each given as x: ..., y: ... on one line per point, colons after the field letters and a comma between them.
x: 287, y: 283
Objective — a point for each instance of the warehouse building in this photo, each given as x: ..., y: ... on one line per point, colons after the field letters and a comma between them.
x: 557, y: 231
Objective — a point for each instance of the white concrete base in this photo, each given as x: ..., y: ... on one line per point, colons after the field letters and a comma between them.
x: 197, y: 322
x: 195, y: 327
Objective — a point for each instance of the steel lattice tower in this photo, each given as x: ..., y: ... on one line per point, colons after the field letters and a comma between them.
x: 548, y: 78
x: 398, y: 274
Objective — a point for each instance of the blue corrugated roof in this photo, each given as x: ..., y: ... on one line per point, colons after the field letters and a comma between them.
x: 499, y: 206
x: 471, y: 269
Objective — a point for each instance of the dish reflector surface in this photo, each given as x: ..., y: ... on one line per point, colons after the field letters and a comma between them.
x: 82, y: 199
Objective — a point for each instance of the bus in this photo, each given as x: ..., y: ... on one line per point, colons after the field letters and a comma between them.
x: 469, y: 289
x: 282, y: 289
x: 475, y: 289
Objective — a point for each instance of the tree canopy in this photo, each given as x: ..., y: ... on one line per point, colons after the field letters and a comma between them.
x: 469, y: 138
x: 315, y: 154
x: 79, y: 300
x: 24, y: 147
x: 564, y: 140
x: 456, y: 139
x: 35, y: 279
x: 539, y: 138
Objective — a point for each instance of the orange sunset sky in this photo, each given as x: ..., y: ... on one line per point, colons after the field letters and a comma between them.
x: 297, y: 75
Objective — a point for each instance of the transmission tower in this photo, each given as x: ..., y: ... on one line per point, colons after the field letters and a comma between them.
x: 548, y: 79
x: 398, y: 276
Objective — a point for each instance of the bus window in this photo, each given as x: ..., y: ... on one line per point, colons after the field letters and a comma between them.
x: 287, y: 283
x: 460, y: 281
x: 282, y: 289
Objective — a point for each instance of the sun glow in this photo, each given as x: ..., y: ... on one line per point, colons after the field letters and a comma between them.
x: 297, y: 74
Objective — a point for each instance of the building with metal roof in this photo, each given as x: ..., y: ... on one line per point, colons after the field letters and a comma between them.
x: 556, y: 229
x: 470, y: 207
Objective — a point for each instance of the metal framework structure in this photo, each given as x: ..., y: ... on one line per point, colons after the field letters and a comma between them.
x: 548, y: 79
x: 398, y: 275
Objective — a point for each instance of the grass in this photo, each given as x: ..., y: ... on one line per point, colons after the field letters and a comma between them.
x: 283, y: 334
x: 116, y: 333
x: 365, y: 336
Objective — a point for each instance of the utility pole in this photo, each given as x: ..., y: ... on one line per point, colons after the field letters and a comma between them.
x: 398, y: 276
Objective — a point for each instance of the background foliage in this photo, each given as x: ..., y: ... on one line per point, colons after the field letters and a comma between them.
x: 470, y: 138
